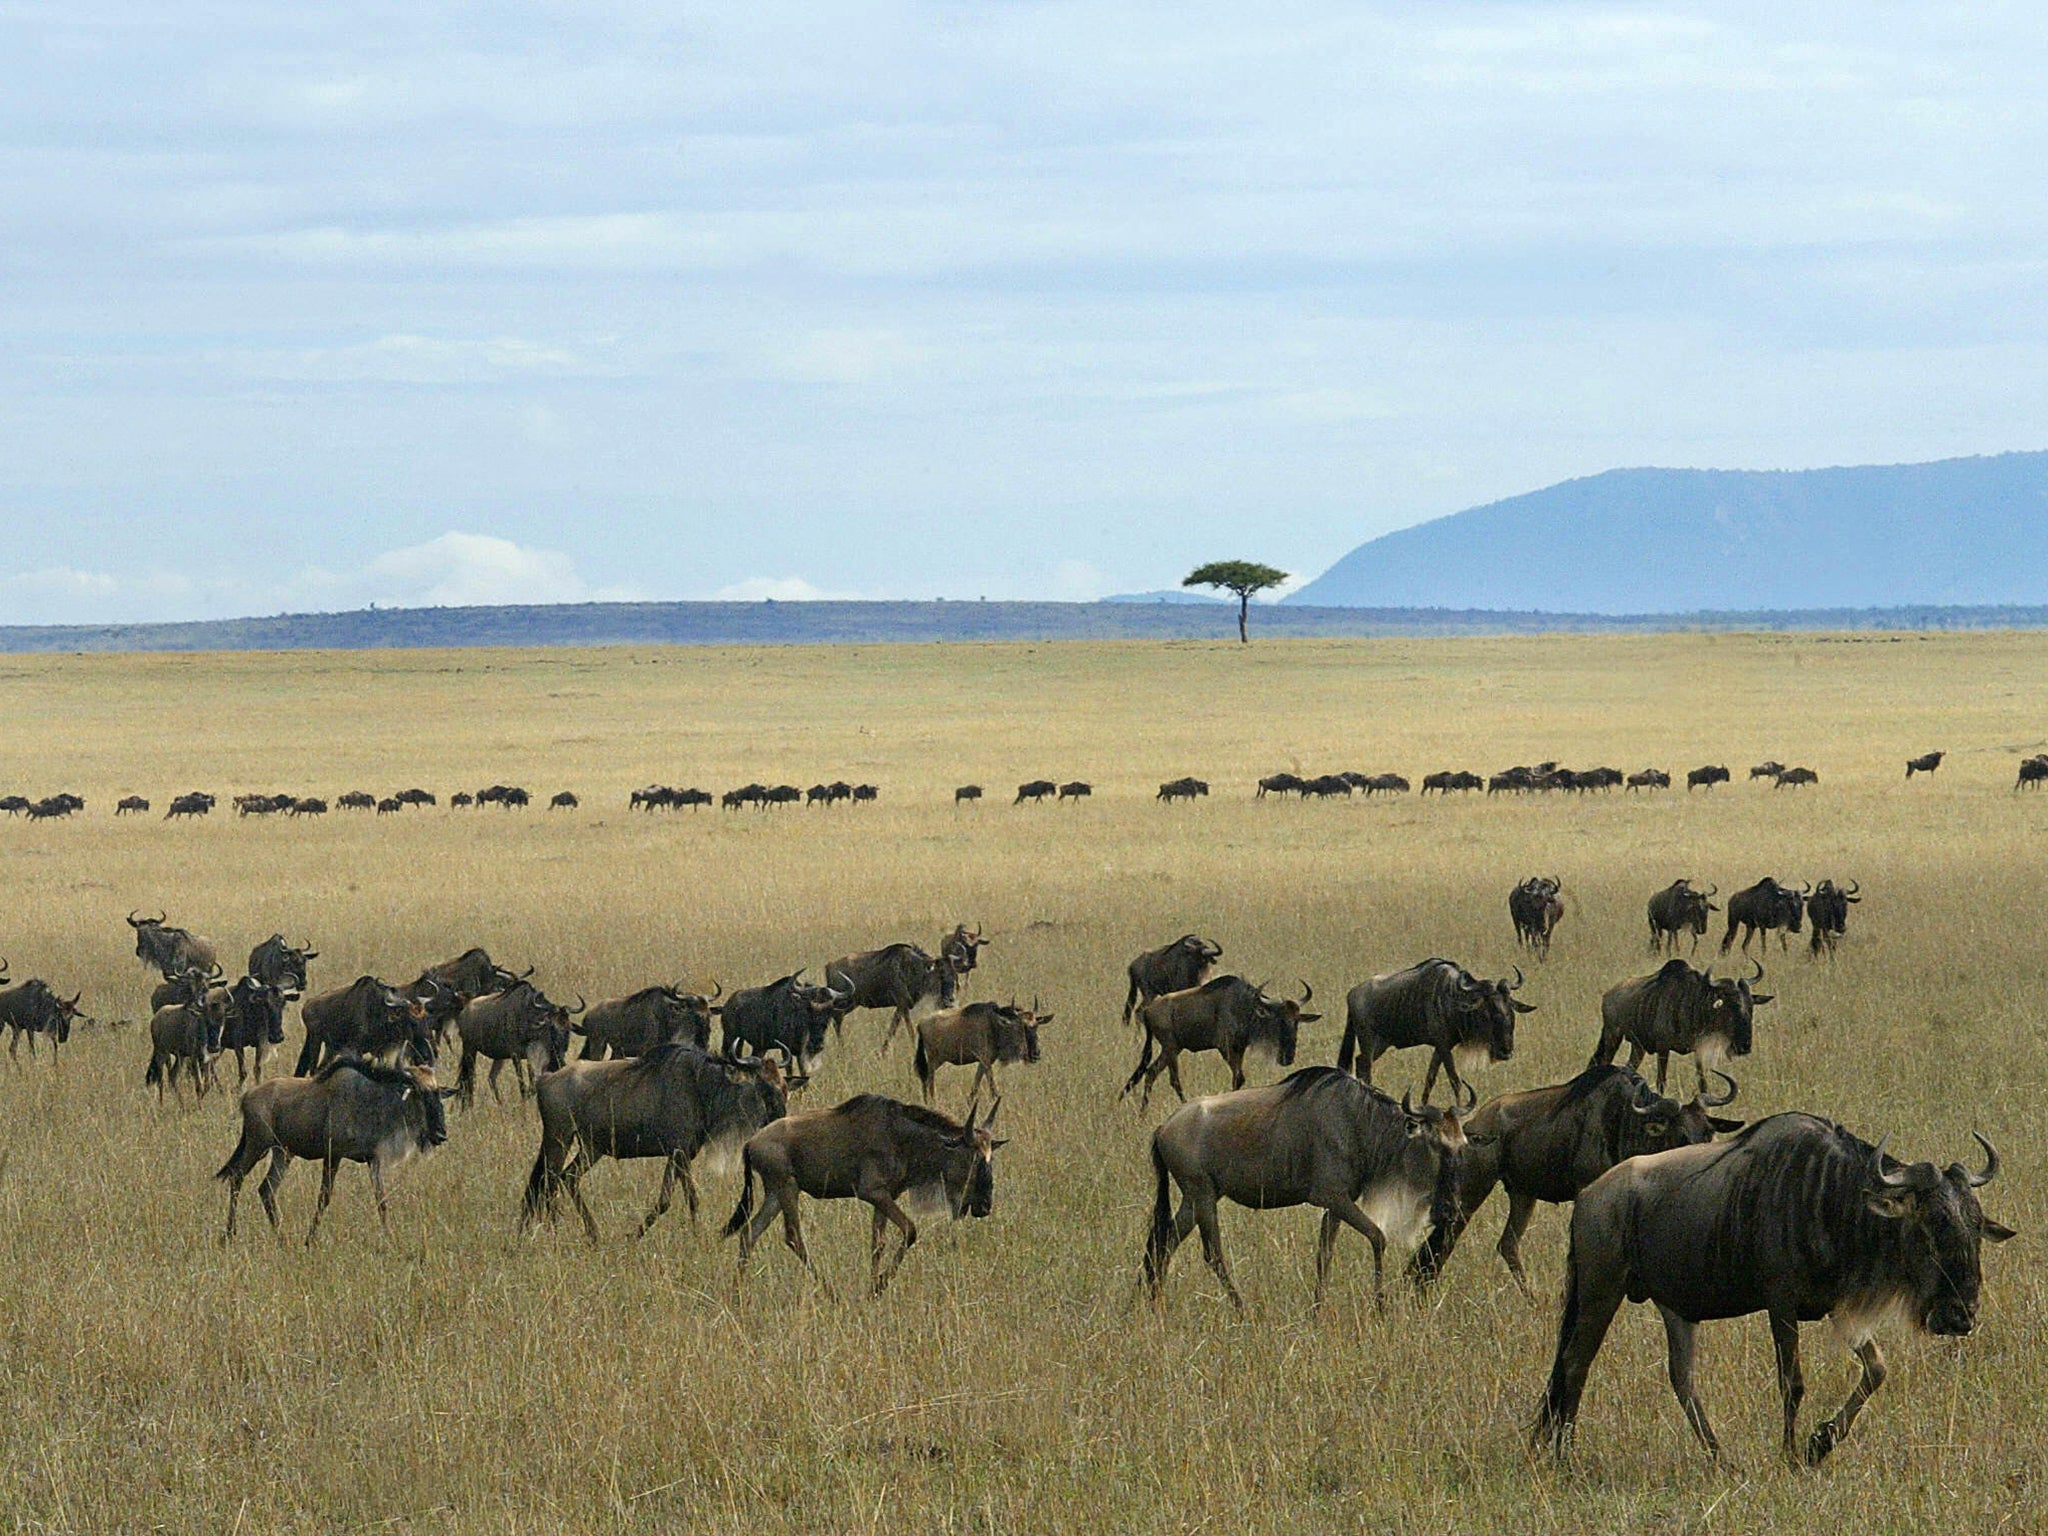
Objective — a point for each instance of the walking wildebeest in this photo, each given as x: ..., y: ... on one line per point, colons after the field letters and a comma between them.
x: 389, y: 807
x: 461, y: 800
x: 1171, y: 968
x: 309, y: 806
x: 186, y: 1037
x: 172, y: 951
x: 179, y: 988
x: 1447, y: 780
x: 1036, y: 790
x: 563, y: 801
x: 1534, y: 907
x: 1767, y: 770
x: 280, y: 964
x: 1762, y: 907
x: 869, y: 1148
x: 1679, y: 908
x: 252, y: 1018
x: 14, y: 805
x: 1707, y: 777
x: 2034, y: 771
x: 367, y: 1018
x: 1796, y: 777
x: 1182, y: 789
x: 967, y: 792
x: 1925, y: 763
x: 1228, y: 1015
x: 1317, y: 1137
x: 195, y: 803
x: 1076, y: 789
x: 357, y: 800
x: 521, y: 1025
x: 1386, y: 784
x: 129, y: 803
x: 354, y: 1111
x: 899, y: 977
x: 1678, y: 1009
x: 784, y: 1016
x: 981, y: 1035
x: 670, y: 1102
x: 1649, y: 778
x: 1278, y: 784
x: 1437, y: 1003
x: 634, y: 1025
x: 1827, y: 915
x: 1547, y: 1144
x: 416, y: 797
x: 1794, y: 1217
x: 34, y: 1008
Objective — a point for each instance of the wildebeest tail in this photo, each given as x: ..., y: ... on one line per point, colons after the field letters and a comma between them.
x: 227, y: 1169
x: 921, y: 1063
x: 1550, y: 1423
x: 744, y: 1211
x: 539, y: 1185
x: 1161, y: 1235
x: 1144, y: 1061
x: 1131, y: 1000
x: 309, y: 1056
x: 155, y: 1075
x: 1347, y: 1048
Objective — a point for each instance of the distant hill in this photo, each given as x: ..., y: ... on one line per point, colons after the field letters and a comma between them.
x: 1635, y: 541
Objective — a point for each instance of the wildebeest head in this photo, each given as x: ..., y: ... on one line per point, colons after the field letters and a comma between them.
x: 1731, y: 1008
x: 1015, y: 1033
x: 1659, y: 1124
x: 824, y: 1006
x: 281, y: 964
x: 425, y: 1112
x: 154, y: 943
x: 1436, y: 1143
x: 1938, y: 1269
x: 254, y: 1001
x: 1487, y: 1012
x: 970, y: 1177
x: 1276, y: 1022
x: 960, y: 949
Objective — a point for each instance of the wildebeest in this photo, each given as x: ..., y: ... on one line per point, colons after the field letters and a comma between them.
x: 461, y: 800
x: 1827, y: 915
x: 1546, y: 1144
x: 365, y: 1018
x: 1926, y: 763
x: 14, y: 805
x: 357, y: 800
x: 746, y: 794
x: 1317, y: 1137
x: 389, y: 806
x: 34, y: 1008
x: 691, y: 797
x: 194, y: 803
x: 415, y: 797
x: 564, y: 800
x: 252, y: 1018
x: 898, y: 977
x: 178, y: 988
x: 865, y: 794
x: 1649, y: 778
x: 874, y: 1149
x: 1534, y: 907
x: 1761, y: 908
x: 784, y: 1016
x: 1675, y: 1010
x: 173, y: 951
x: 1438, y: 1004
x: 1227, y: 1015
x: 2034, y: 771
x: 635, y: 1025
x: 128, y: 803
x: 522, y: 1025
x: 967, y: 792
x: 828, y: 794
x: 1767, y: 770
x: 1707, y: 777
x: 280, y: 964
x: 1795, y: 1217
x: 1679, y: 908
x: 962, y: 950
x: 1171, y: 968
x: 669, y: 1102
x: 1446, y: 781
x: 55, y: 807
x: 1795, y: 777
x: 185, y: 1037
x: 309, y: 805
x: 260, y: 805
x: 1035, y: 790
x: 1386, y: 784
x: 1182, y: 789
x: 505, y: 797
x: 1325, y: 785
x: 1076, y: 789
x: 354, y: 1111
x: 1278, y: 784
x: 980, y: 1035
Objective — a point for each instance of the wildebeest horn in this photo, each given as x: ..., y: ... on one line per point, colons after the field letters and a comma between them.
x: 147, y: 921
x: 1406, y: 1108
x: 524, y: 974
x: 1759, y: 976
x: 1471, y: 1096
x: 995, y: 1105
x: 1854, y: 887
x: 1308, y: 993
x: 309, y: 954
x: 1979, y: 1180
x: 1806, y: 887
x: 1518, y: 979
x: 1726, y: 1098
x: 1877, y: 1174
x: 1711, y: 891
x: 580, y: 1005
x: 717, y: 991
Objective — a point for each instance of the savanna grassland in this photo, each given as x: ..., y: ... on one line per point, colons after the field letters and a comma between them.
x: 451, y: 1376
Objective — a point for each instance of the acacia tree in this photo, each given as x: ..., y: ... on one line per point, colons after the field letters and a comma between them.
x: 1247, y: 578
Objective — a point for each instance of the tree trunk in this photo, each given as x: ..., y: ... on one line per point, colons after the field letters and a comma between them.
x: 1244, y: 603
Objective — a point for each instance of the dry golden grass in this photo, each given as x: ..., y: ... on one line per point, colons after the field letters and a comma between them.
x: 451, y: 1377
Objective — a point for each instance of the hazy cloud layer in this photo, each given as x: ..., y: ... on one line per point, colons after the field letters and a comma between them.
x: 1019, y: 299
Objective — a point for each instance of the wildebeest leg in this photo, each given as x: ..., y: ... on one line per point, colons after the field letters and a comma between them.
x: 1832, y: 1432
x: 900, y: 1019
x: 670, y: 1169
x: 1791, y: 1382
x: 1520, y: 1208
x: 280, y: 1160
x: 465, y: 1077
x: 572, y: 1179
x: 1236, y: 1071
x: 1202, y: 1196
x: 987, y: 1074
x: 497, y: 1066
x: 886, y: 1209
x: 1679, y: 1340
x: 1172, y: 1064
x: 1592, y: 1295
x: 1160, y: 1249
x: 377, y: 1189
x: 328, y: 1168
x: 1342, y: 1209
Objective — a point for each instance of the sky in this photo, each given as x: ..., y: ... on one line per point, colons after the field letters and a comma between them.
x: 309, y: 307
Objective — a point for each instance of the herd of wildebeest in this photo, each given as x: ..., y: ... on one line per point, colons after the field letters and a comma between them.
x: 1673, y: 1203
x: 1522, y: 779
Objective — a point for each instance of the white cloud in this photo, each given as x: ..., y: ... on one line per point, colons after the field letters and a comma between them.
x: 781, y: 589
x: 462, y: 570
x: 409, y: 359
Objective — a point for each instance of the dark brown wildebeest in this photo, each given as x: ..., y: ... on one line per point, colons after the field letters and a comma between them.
x: 980, y: 1035
x: 34, y: 1008
x: 173, y: 951
x: 2034, y: 771
x: 1182, y: 789
x: 354, y: 1111
x: 1794, y: 1217
x: 634, y: 1025
x: 1679, y: 908
x: 14, y: 805
x: 185, y: 1037
x: 967, y: 792
x: 1926, y: 763
x: 898, y: 977
x: 1325, y: 785
x: 869, y: 1148
x: 1677, y: 1010
x: 1076, y: 789
x: 1317, y: 1137
x: 309, y: 806
x: 195, y: 803
x: 1278, y: 784
x: 961, y: 950
x: 178, y: 989
x: 563, y: 801
x: 1797, y: 777
x: 1171, y: 968
x: 1827, y: 915
x: 1546, y: 1144
x: 1036, y: 790
x: 746, y: 794
x: 1385, y: 784
x: 389, y: 806
x: 1534, y: 907
x: 1447, y: 781
x: 415, y: 797
x: 252, y: 1018
x: 365, y: 1018
x: 669, y: 1103
x: 461, y: 800
x: 826, y: 794
x: 1767, y: 770
x: 260, y: 805
x: 865, y: 794
x: 446, y: 987
x: 1707, y: 777
x: 1762, y: 908
x: 655, y: 797
x: 521, y: 1025
x: 1438, y: 1004
x: 55, y: 807
x: 128, y: 803
x: 281, y: 964
x: 357, y: 800
x: 784, y: 1016
x: 1649, y: 778
x: 691, y: 797
x: 1227, y: 1015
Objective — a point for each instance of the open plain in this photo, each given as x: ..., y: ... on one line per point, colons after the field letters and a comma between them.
x: 452, y: 1376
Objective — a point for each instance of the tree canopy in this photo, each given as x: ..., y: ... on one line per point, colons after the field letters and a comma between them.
x: 1246, y: 578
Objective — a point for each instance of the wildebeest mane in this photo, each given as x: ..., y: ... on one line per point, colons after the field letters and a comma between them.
x: 917, y: 1115
x: 1590, y: 1081
x: 375, y: 1071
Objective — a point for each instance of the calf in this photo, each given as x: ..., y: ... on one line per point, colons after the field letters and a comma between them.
x: 981, y: 1035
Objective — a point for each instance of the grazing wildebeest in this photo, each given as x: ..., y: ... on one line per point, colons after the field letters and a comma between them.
x: 2034, y: 771
x: 1827, y: 914
x: 635, y: 1025
x: 1182, y: 789
x: 967, y: 792
x: 507, y: 797
x: 898, y: 977
x: 1076, y: 789
x: 366, y: 1018
x: 389, y: 806
x: 1707, y: 777
x: 980, y: 1035
x: 1173, y: 967
x: 1317, y: 1137
x: 172, y: 951
x: 1036, y: 790
x: 357, y: 800
x: 1227, y: 1015
x: 521, y: 1025
x: 1925, y: 763
x: 129, y: 803
x: 1679, y: 908
x: 1649, y: 778
x: 870, y: 1148
x: 185, y: 1036
x: 669, y: 1102
x: 1534, y: 907
x: 1796, y: 777
x: 1547, y: 1144
x: 784, y: 1016
x: 34, y: 1008
x: 281, y: 964
x: 563, y: 801
x: 1768, y: 770
x: 252, y: 1018
x: 354, y: 1111
x: 1279, y: 784
x: 1675, y: 1010
x: 1794, y: 1217
x: 1438, y: 1004
x: 1763, y: 907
